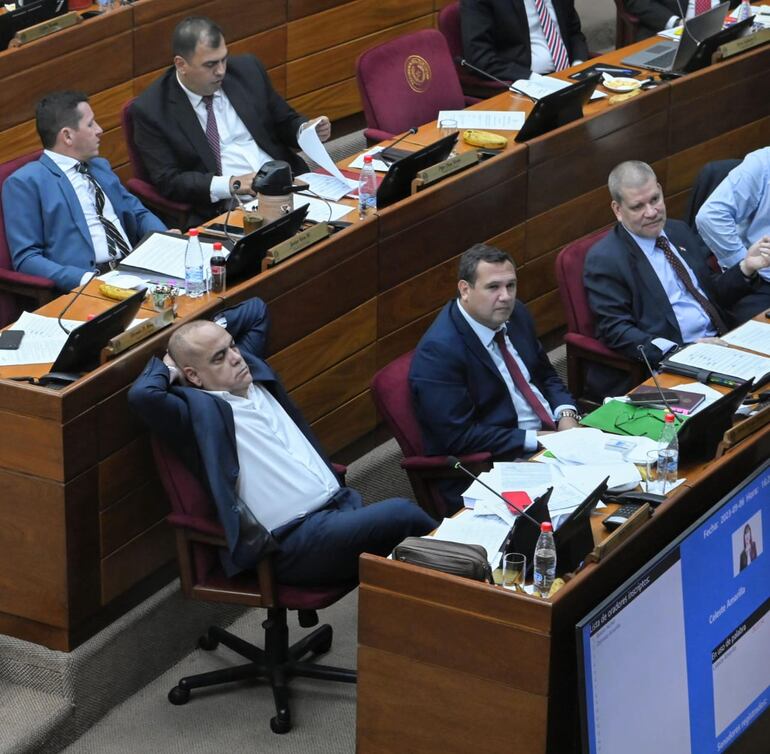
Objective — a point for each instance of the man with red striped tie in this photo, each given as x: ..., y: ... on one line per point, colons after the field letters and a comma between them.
x: 656, y: 15
x: 513, y: 38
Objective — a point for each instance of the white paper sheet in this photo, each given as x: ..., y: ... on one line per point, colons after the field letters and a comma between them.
x: 537, y: 86
x: 42, y: 342
x: 311, y: 145
x: 378, y: 165
x: 321, y: 211
x: 163, y: 254
x: 494, y: 120
x: 753, y: 335
x: 724, y: 360
x: 488, y: 531
x: 328, y: 186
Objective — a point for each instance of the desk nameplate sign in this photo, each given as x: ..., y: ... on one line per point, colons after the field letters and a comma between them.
x: 296, y: 243
x: 442, y: 170
x: 45, y: 28
x: 136, y: 334
x: 742, y: 44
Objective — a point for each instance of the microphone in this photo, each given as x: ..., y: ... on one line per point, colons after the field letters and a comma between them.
x: 677, y: 419
x: 73, y: 300
x: 465, y: 64
x: 455, y: 463
x: 393, y: 156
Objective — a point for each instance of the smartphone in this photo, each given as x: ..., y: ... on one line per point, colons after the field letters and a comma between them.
x: 643, y: 399
x: 10, y: 340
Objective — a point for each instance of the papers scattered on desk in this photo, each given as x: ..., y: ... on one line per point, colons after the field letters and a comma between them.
x: 321, y: 211
x: 333, y: 186
x: 753, y: 335
x: 537, y: 86
x: 162, y: 253
x: 731, y: 362
x: 586, y: 445
x: 488, y: 531
x: 378, y: 165
x: 489, y: 120
x: 674, y: 34
x: 42, y: 342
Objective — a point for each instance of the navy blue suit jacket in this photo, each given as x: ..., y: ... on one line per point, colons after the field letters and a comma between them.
x: 461, y: 400
x: 200, y: 427
x: 45, y: 226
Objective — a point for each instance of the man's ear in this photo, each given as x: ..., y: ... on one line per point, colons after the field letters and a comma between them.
x: 179, y: 62
x: 462, y: 288
x: 192, y: 376
x: 615, y: 206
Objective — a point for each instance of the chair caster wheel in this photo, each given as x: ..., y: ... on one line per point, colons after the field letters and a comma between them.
x: 207, y: 643
x: 326, y: 644
x: 280, y: 724
x: 178, y: 695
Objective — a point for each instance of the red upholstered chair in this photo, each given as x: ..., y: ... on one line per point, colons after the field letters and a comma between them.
x: 199, y: 538
x: 405, y: 82
x: 626, y: 25
x: 17, y: 290
x: 582, y: 345
x: 391, y: 395
x: 472, y: 85
x: 174, y: 214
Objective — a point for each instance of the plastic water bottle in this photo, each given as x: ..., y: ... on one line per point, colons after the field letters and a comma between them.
x: 194, y: 268
x: 743, y: 11
x: 218, y: 269
x: 668, y: 454
x: 545, y: 559
x: 367, y: 188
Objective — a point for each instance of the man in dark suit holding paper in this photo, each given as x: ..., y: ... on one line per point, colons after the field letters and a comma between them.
x: 649, y: 282
x: 480, y: 379
x: 209, y: 122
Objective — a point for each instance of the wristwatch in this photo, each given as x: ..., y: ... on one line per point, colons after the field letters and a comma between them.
x: 569, y: 413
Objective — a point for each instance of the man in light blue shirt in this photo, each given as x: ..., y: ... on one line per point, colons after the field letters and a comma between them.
x: 736, y: 219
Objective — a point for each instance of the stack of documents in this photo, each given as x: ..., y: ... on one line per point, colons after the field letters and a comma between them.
x: 537, y: 86
x: 42, y: 342
x: 722, y: 360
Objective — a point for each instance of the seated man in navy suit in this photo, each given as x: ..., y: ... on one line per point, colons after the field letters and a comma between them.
x: 210, y: 122
x: 649, y: 283
x: 67, y: 214
x: 480, y: 379
x: 217, y: 403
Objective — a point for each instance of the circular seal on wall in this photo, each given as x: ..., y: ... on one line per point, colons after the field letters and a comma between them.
x: 418, y: 73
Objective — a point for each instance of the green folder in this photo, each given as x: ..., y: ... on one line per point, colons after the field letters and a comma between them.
x: 621, y: 418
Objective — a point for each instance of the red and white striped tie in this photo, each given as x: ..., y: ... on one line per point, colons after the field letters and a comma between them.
x: 553, y: 37
x: 701, y: 6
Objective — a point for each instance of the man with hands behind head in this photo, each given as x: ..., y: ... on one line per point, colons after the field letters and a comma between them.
x: 216, y: 402
x: 207, y: 125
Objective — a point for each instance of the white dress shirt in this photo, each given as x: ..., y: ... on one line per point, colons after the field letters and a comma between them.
x: 239, y: 152
x: 87, y: 198
x: 527, y: 418
x: 542, y: 60
x: 690, y: 12
x: 693, y: 321
x: 282, y: 477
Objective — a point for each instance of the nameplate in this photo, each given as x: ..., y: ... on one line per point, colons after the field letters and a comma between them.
x: 743, y: 429
x: 296, y: 243
x: 45, y: 28
x: 635, y: 522
x: 742, y: 44
x: 136, y: 334
x: 442, y: 170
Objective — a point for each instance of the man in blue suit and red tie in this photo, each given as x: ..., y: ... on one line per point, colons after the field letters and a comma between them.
x: 480, y: 379
x: 66, y: 214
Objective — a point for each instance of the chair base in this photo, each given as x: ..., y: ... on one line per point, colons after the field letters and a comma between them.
x: 277, y: 663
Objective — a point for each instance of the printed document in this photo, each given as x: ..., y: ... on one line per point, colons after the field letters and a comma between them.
x: 489, y: 120
x: 538, y: 86
x: 333, y: 186
x: 723, y: 360
x: 752, y: 335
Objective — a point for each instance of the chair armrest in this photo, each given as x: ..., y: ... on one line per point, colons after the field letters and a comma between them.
x: 418, y: 463
x: 31, y: 286
x: 197, y: 525
x: 374, y: 135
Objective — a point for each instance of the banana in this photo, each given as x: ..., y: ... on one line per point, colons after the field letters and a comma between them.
x: 112, y: 291
x: 484, y: 139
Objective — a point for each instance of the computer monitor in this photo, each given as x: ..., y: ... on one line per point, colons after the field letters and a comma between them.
x: 558, y: 109
x: 397, y: 183
x: 31, y: 13
x: 677, y: 659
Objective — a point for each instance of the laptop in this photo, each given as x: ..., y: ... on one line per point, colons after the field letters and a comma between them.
x: 674, y: 57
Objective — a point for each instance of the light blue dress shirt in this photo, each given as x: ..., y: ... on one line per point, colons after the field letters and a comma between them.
x: 738, y: 211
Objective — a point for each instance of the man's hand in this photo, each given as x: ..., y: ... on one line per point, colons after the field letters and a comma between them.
x: 322, y: 127
x: 713, y: 340
x: 241, y: 184
x: 757, y: 257
x: 175, y: 374
x: 567, y: 422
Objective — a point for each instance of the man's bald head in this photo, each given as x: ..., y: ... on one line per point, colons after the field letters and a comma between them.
x: 185, y: 345
x: 629, y: 174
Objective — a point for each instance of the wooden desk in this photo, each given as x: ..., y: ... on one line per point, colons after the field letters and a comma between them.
x: 76, y: 462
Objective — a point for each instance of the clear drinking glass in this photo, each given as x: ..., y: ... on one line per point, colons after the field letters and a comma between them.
x: 447, y: 126
x: 514, y: 571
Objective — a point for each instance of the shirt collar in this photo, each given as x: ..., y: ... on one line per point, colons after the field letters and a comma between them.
x: 485, y: 334
x: 647, y: 245
x: 195, y: 99
x: 63, y: 161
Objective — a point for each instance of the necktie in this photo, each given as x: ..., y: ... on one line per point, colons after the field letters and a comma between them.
x: 552, y: 37
x: 546, y: 422
x: 701, y: 6
x: 212, y: 132
x: 116, y: 244
x: 681, y: 272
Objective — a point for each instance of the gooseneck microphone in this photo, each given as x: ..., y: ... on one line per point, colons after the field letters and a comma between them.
x: 677, y: 419
x: 73, y: 300
x: 465, y: 64
x: 392, y: 157
x: 455, y: 463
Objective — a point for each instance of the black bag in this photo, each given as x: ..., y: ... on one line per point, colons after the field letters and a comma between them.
x: 456, y: 558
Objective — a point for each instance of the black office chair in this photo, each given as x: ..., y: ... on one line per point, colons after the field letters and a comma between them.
x: 709, y: 177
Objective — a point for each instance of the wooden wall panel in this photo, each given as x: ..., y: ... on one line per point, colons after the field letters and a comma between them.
x: 347, y: 423
x: 301, y: 8
x: 356, y: 19
x: 547, y: 312
x: 335, y: 101
x: 405, y: 339
x: 125, y: 471
x: 135, y: 513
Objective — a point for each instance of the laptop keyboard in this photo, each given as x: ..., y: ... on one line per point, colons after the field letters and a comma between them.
x: 662, y: 61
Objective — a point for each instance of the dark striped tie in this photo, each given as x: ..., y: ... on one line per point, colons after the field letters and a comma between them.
x: 116, y: 244
x: 212, y: 131
x: 552, y: 37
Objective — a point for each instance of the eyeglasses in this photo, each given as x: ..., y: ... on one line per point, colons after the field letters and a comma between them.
x: 631, y: 421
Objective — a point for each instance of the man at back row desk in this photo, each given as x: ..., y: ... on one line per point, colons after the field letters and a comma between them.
x: 656, y: 15
x: 67, y: 214
x: 649, y: 283
x: 480, y: 379
x: 210, y: 122
x: 511, y: 40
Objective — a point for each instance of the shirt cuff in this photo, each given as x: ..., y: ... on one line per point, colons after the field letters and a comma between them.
x: 220, y: 187
x: 672, y: 22
x: 726, y: 261
x: 87, y: 276
x: 530, y: 440
x: 664, y: 345
x: 561, y: 408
